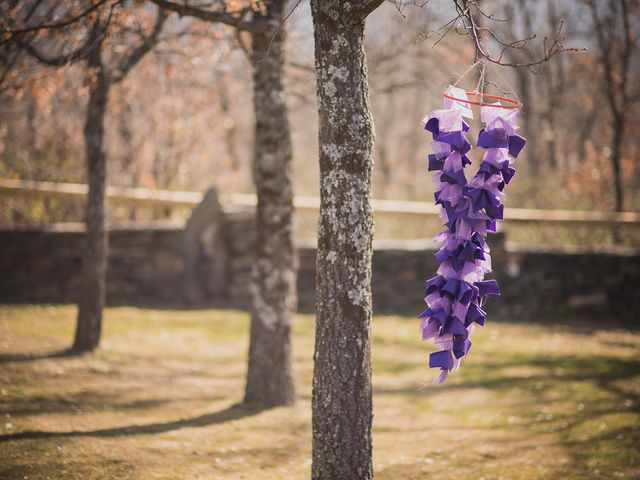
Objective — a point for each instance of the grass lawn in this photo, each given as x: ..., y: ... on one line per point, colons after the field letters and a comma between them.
x: 158, y: 401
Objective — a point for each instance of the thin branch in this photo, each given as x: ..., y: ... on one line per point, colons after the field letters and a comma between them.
x: 8, y: 65
x: 58, y: 25
x: 465, y: 23
x: 425, y: 35
x: 148, y: 42
x: 95, y: 38
x: 235, y: 19
x: 78, y: 54
x: 293, y: 9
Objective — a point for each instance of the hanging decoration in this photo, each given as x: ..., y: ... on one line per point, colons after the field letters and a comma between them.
x: 469, y: 209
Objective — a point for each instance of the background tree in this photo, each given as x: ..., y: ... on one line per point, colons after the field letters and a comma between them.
x: 269, y: 375
x: 612, y: 21
x: 103, y: 29
x: 41, y: 125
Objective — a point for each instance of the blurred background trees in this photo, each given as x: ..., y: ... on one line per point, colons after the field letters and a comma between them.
x: 613, y: 24
x: 198, y: 115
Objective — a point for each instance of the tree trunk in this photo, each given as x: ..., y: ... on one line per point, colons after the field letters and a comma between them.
x: 342, y: 365
x: 384, y: 158
x: 233, y: 159
x: 413, y: 157
x: 530, y: 124
x: 616, y: 155
x: 94, y: 261
x: 269, y: 377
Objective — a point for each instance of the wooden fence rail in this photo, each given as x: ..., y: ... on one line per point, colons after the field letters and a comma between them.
x: 173, y: 198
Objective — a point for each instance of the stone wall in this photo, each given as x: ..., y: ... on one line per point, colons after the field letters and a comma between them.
x: 174, y: 266
x: 145, y: 265
x: 601, y: 285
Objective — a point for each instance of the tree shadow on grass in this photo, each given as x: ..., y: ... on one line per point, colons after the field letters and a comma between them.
x: 604, y: 371
x: 559, y: 378
x: 234, y: 412
x: 91, y: 401
x: 32, y: 357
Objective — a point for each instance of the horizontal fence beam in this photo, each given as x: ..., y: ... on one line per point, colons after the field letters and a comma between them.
x: 78, y: 191
x: 174, y: 198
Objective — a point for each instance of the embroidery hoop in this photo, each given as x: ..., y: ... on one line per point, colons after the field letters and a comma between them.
x: 479, y: 91
x: 472, y: 93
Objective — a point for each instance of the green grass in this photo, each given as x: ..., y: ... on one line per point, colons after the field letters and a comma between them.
x: 157, y: 401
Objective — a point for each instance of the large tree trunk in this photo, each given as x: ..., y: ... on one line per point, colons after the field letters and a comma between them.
x: 342, y: 369
x: 269, y: 377
x: 94, y: 261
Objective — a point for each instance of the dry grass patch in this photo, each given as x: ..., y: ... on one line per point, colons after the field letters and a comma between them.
x: 158, y: 400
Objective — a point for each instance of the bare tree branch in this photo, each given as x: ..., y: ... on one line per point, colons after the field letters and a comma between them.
x: 466, y: 23
x: 147, y: 43
x: 58, y: 25
x: 80, y: 53
x: 369, y: 6
x: 293, y: 9
x: 550, y: 51
x: 235, y: 19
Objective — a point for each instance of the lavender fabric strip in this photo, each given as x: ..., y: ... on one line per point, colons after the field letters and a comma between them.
x: 469, y: 209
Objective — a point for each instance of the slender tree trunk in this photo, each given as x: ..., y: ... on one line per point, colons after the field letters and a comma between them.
x: 342, y: 369
x: 529, y: 128
x: 229, y: 129
x: 532, y: 119
x: 94, y: 261
x: 269, y: 377
x: 384, y: 158
x: 549, y: 118
x: 616, y: 155
x: 586, y: 130
x: 413, y: 158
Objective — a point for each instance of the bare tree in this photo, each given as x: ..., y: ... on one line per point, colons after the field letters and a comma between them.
x: 524, y: 78
x: 612, y: 22
x: 40, y: 39
x: 269, y: 376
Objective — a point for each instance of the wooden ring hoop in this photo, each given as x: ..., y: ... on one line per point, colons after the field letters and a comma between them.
x: 511, y: 103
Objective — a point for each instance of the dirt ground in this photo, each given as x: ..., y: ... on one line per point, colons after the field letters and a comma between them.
x: 159, y: 400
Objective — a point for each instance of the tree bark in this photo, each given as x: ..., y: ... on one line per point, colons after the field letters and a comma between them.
x: 94, y: 261
x: 341, y: 400
x: 269, y: 376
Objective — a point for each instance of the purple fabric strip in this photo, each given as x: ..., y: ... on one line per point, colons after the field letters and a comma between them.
x: 441, y: 359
